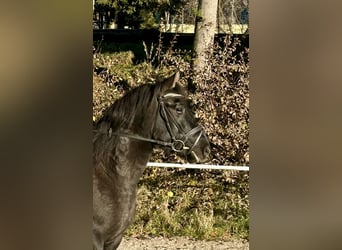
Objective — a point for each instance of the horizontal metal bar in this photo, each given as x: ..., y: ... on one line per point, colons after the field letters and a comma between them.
x: 196, y: 166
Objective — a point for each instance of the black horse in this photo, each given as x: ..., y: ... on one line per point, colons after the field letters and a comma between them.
x: 150, y: 115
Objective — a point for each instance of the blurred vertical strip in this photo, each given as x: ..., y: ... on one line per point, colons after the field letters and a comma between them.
x: 45, y: 124
x: 295, y: 125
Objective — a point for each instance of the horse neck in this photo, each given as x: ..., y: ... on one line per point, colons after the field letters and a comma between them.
x: 121, y: 154
x: 120, y: 157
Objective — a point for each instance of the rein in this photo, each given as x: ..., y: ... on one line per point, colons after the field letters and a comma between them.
x: 177, y: 145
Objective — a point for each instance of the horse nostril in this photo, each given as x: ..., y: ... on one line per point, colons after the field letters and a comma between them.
x: 207, y: 151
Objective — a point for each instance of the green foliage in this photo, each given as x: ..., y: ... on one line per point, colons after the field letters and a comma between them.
x: 140, y: 13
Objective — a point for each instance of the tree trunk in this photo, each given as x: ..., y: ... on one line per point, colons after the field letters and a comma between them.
x: 204, y: 32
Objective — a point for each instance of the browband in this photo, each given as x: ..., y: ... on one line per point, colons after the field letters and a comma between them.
x: 173, y: 95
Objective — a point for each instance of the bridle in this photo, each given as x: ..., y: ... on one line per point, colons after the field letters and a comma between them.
x: 176, y: 144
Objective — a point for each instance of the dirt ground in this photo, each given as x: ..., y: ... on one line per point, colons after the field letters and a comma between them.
x: 179, y: 243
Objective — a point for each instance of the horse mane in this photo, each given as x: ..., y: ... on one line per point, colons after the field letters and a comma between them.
x: 121, y: 115
x: 124, y: 110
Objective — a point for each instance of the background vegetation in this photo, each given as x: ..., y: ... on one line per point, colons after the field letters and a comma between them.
x: 200, y: 204
x: 147, y: 14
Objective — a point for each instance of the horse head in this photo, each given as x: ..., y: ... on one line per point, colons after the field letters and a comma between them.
x: 176, y: 122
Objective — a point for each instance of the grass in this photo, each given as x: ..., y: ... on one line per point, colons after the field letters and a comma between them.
x: 174, y: 203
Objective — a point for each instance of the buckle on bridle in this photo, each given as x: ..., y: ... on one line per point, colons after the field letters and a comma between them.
x: 178, y: 146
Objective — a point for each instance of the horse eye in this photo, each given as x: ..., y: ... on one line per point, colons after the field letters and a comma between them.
x: 193, y: 109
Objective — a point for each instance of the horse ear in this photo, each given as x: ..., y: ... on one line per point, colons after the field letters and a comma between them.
x: 170, y: 82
